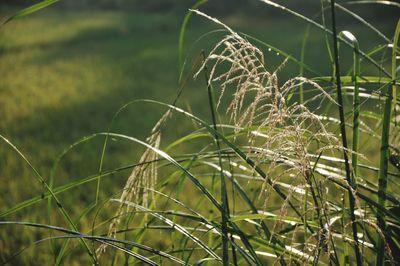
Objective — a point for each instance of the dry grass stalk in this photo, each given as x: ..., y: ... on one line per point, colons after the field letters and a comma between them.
x: 283, y: 131
x: 142, y: 180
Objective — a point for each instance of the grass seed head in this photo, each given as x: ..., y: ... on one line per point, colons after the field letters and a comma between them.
x: 285, y: 133
x: 142, y: 179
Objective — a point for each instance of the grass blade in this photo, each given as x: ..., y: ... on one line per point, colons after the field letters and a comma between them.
x: 394, y: 66
x: 182, y: 32
x: 349, y: 177
x: 363, y: 21
x: 49, y: 189
x: 356, y: 113
x: 30, y: 10
x: 178, y: 227
x: 321, y: 27
x: 224, y: 196
x: 101, y: 239
x: 236, y: 149
x: 384, y: 153
x: 302, y: 54
x: 383, y: 169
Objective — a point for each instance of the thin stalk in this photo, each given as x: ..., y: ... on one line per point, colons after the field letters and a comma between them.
x: 393, y: 69
x: 384, y: 154
x: 344, y: 137
x: 356, y: 104
x: 305, y: 212
x: 363, y: 21
x: 346, y: 246
x: 233, y: 180
x: 302, y: 54
x: 182, y: 33
x: 322, y: 233
x: 323, y: 28
x: 224, y: 196
x: 383, y: 169
x: 356, y: 114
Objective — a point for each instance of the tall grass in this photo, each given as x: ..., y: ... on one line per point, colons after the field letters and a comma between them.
x: 349, y: 177
x: 268, y: 178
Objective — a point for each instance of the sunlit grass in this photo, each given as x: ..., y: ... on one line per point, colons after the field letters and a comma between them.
x: 64, y: 76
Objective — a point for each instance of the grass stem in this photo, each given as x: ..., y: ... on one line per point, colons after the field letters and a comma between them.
x: 224, y: 195
x: 384, y: 153
x: 344, y: 137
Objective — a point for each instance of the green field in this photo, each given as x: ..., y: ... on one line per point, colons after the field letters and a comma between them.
x: 63, y: 75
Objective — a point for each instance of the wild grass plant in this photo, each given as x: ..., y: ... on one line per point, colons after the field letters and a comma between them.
x: 278, y: 176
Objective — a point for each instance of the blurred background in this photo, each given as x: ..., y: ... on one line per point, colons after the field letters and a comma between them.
x: 67, y: 69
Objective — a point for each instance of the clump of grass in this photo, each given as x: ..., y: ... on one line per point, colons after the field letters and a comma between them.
x: 278, y: 131
x: 282, y: 168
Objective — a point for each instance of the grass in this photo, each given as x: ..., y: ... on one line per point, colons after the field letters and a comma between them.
x: 245, y: 175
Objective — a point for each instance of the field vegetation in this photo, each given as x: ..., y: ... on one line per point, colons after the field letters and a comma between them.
x: 263, y: 133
